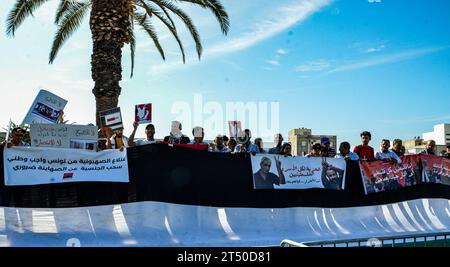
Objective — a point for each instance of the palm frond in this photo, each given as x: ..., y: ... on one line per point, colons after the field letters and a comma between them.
x: 217, y: 9
x: 71, y: 20
x: 186, y: 20
x: 133, y: 51
x: 174, y: 33
x: 142, y: 20
x: 150, y: 11
x: 21, y: 10
x: 63, y: 6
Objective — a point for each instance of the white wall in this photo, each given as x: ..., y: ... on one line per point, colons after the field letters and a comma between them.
x: 439, y: 134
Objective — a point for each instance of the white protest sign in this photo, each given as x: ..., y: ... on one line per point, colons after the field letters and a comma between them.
x: 279, y: 172
x: 64, y: 136
x: 46, y: 108
x: 234, y: 128
x: 112, y: 118
x: 33, y: 166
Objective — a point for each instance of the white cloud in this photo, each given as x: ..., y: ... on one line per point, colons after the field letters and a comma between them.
x: 273, y: 62
x: 375, y: 49
x: 282, y: 52
x: 281, y: 19
x: 386, y: 59
x: 318, y: 65
x: 275, y: 22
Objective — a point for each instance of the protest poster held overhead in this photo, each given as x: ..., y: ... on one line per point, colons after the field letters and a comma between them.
x: 234, y: 127
x: 46, y: 108
x: 34, y: 166
x: 143, y: 113
x: 64, y: 136
x: 112, y: 118
x: 279, y: 172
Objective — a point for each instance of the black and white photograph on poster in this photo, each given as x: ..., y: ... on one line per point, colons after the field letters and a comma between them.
x: 46, y: 108
x: 46, y: 112
x: 279, y: 172
x: 84, y: 144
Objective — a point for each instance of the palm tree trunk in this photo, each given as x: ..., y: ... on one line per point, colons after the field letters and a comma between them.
x: 110, y: 27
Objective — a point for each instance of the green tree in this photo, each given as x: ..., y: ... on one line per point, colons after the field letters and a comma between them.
x: 112, y: 24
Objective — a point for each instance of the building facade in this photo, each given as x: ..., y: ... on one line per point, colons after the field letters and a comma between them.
x: 417, y: 145
x: 441, y: 134
x: 302, y: 140
x: 414, y: 146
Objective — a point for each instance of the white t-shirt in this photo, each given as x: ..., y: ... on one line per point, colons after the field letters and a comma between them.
x: 113, y: 141
x: 381, y: 155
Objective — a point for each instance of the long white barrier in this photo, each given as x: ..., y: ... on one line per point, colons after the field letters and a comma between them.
x: 163, y: 224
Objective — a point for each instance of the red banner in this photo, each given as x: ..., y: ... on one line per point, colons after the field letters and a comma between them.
x: 196, y: 147
x: 379, y: 176
x: 435, y: 169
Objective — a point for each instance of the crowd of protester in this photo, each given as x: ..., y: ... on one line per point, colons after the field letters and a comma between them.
x: 244, y: 144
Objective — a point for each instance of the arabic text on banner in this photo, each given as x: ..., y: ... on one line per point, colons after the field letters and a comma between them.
x: 379, y: 176
x: 279, y: 172
x: 33, y: 166
x: 64, y: 136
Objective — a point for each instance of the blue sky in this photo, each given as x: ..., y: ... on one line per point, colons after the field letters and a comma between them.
x: 338, y: 67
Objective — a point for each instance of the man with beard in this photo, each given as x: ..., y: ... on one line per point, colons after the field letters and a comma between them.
x: 331, y: 176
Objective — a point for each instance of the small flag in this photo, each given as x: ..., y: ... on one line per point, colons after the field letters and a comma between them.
x: 68, y: 175
x: 111, y: 118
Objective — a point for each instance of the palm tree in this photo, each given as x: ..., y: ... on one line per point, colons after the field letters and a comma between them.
x: 112, y: 26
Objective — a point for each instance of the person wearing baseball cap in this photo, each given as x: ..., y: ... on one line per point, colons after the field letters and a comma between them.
x: 327, y: 150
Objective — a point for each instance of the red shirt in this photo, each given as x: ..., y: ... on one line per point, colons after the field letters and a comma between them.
x: 365, y: 152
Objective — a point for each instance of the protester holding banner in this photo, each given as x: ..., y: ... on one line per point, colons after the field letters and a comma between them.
x: 199, y: 135
x: 397, y: 148
x: 386, y: 155
x: 286, y: 150
x: 17, y: 138
x: 257, y: 147
x: 264, y: 179
x: 219, y: 146
x: 345, y: 153
x: 327, y: 150
x: 316, y: 151
x: 364, y: 151
x: 149, y: 132
x: 431, y: 145
x: 116, y: 140
x: 278, y: 145
x: 225, y: 140
x: 176, y: 136
x: 447, y: 152
x: 244, y: 140
x: 232, y: 145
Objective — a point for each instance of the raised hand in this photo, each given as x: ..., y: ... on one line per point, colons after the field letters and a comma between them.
x: 278, y: 162
x: 142, y: 113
